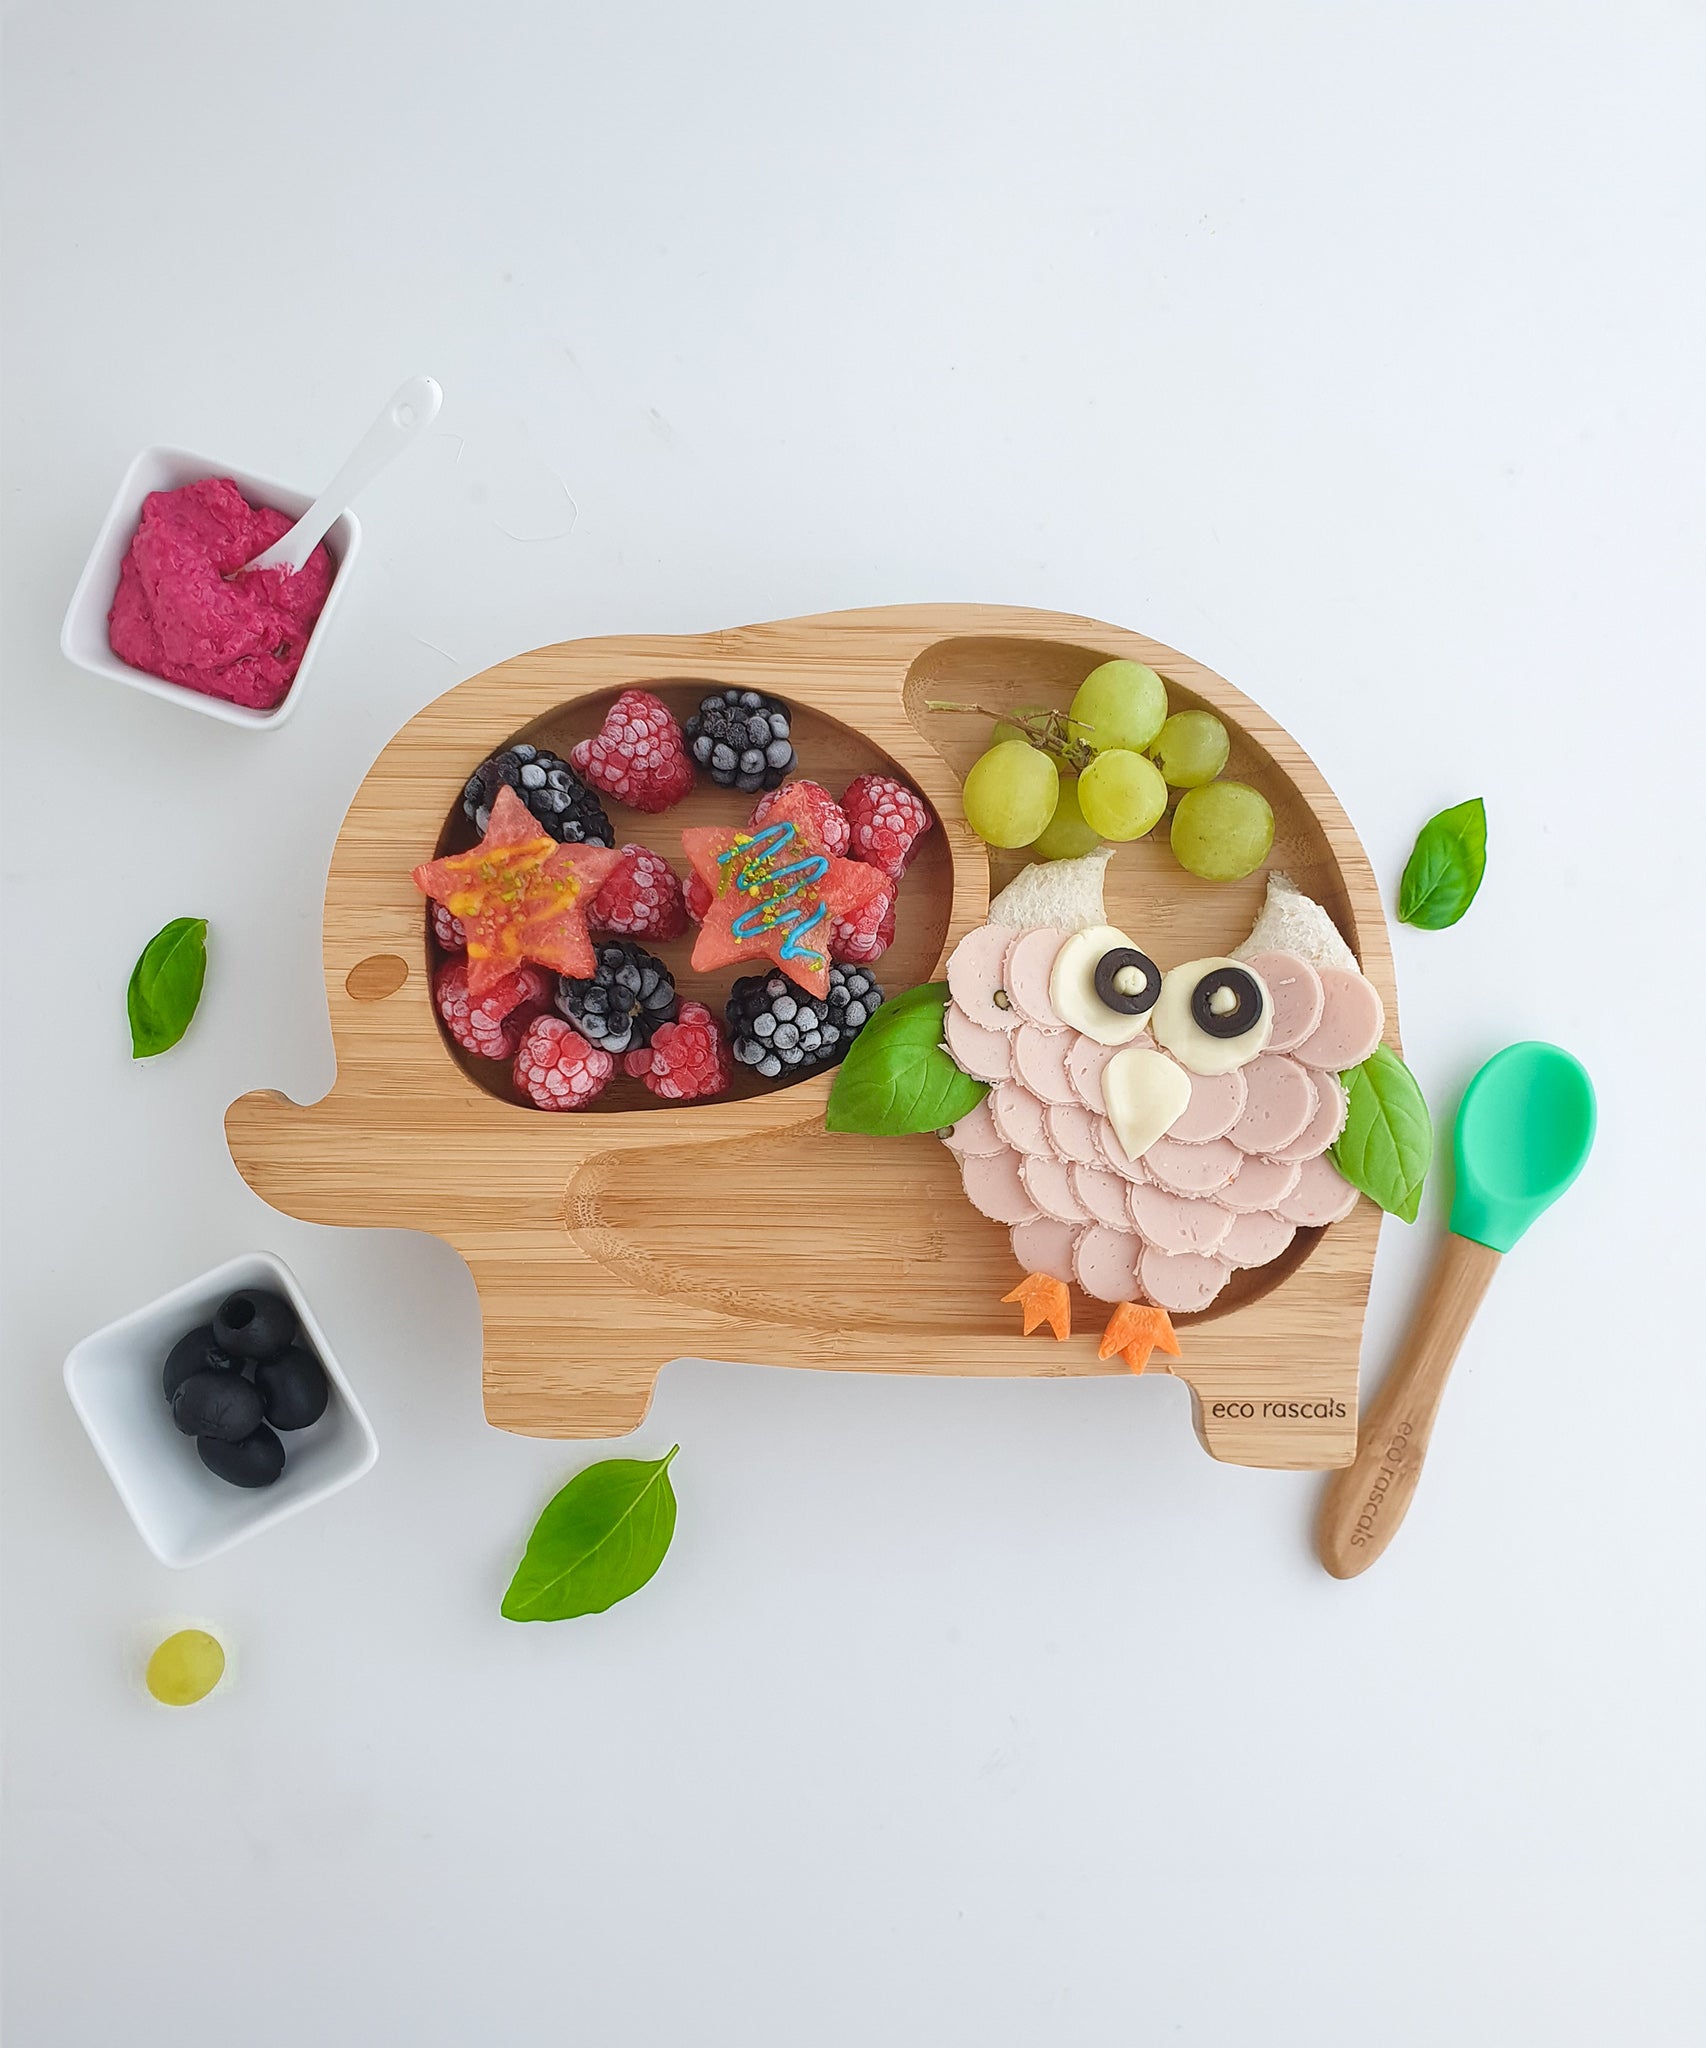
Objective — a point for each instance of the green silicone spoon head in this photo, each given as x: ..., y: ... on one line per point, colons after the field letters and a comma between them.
x: 1524, y: 1131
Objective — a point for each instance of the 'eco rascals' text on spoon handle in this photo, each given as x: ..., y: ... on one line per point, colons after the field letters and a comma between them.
x: 1368, y: 1498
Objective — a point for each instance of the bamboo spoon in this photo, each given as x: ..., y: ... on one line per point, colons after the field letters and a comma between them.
x: 1524, y: 1130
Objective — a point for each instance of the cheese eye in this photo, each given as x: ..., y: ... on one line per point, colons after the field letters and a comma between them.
x: 1213, y: 1015
x: 1127, y: 981
x: 1102, y: 986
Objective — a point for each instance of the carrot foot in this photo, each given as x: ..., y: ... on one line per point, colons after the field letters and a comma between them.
x: 1134, y: 1330
x: 1044, y: 1300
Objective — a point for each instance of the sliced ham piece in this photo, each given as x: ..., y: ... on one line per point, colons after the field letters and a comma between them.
x: 1192, y: 1169
x: 988, y: 1055
x: 1045, y: 1246
x: 1029, y: 963
x: 1104, y: 1262
x: 1298, y: 997
x: 1072, y: 1129
x: 1115, y: 1156
x: 1039, y: 1060
x: 1322, y: 1195
x: 1085, y: 1060
x: 1280, y: 1102
x: 1351, y: 1022
x: 974, y: 977
x: 1181, y: 1282
x: 975, y: 1135
x: 1217, y: 1102
x: 1103, y: 1195
x: 1324, y: 1126
x: 1048, y: 1182
x: 1258, y: 1184
x: 1256, y: 1238
x: 1178, y: 1223
x: 992, y: 1185
x: 1019, y: 1118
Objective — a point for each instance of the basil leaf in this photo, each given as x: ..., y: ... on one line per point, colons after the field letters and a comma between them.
x: 1445, y: 869
x: 165, y: 986
x: 1387, y: 1143
x: 897, y: 1077
x: 598, y: 1540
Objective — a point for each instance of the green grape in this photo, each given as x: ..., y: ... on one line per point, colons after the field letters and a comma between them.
x: 1066, y: 835
x: 185, y: 1668
x: 1190, y: 749
x: 1121, y: 794
x: 1120, y: 704
x: 1010, y: 794
x: 1222, y: 831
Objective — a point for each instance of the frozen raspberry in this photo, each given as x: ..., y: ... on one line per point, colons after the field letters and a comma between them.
x: 640, y: 899
x: 697, y: 897
x: 639, y: 756
x: 809, y: 805
x: 555, y: 1068
x: 888, y: 820
x: 867, y: 934
x: 685, y: 1060
x: 493, y: 1026
x: 448, y: 930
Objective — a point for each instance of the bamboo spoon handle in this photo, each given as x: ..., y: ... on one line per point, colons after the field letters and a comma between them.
x: 1367, y: 1499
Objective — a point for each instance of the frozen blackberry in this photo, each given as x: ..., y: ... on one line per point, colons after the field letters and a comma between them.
x: 853, y: 1000
x: 623, y: 1003
x: 550, y: 789
x: 777, y: 1028
x: 741, y: 740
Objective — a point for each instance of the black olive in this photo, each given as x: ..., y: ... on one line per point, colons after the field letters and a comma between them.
x: 292, y: 1388
x: 1128, y: 961
x: 255, y: 1460
x: 221, y: 1404
x: 254, y: 1324
x: 1246, y: 1011
x: 195, y: 1353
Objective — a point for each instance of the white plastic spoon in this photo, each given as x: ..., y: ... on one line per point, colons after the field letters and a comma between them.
x: 410, y: 407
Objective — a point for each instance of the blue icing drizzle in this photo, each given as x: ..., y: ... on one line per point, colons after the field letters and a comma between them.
x: 772, y: 888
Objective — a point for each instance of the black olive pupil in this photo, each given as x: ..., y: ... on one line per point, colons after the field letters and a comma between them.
x: 1122, y: 964
x: 1244, y: 1012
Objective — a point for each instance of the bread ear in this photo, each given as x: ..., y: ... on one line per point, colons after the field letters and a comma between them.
x: 1290, y: 922
x: 1061, y: 895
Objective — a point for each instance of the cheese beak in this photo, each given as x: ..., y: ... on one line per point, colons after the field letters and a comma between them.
x: 1146, y: 1094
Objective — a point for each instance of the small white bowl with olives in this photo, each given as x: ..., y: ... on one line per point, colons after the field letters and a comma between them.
x: 219, y: 1409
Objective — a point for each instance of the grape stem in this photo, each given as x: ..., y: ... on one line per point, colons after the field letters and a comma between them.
x: 1051, y: 732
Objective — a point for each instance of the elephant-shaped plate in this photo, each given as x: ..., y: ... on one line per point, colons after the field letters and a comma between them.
x: 607, y: 1242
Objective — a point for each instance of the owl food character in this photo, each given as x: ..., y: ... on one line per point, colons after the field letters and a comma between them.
x: 1148, y: 1132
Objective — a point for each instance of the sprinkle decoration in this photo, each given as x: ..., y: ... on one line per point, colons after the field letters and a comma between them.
x: 520, y: 896
x: 771, y: 890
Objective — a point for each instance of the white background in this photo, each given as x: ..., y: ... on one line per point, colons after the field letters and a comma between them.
x: 1355, y: 349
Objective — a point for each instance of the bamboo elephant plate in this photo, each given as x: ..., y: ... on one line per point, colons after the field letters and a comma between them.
x: 607, y: 1242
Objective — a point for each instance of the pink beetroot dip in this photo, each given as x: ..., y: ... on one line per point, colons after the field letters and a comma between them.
x: 176, y: 615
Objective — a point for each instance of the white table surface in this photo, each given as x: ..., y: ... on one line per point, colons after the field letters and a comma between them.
x: 1357, y: 350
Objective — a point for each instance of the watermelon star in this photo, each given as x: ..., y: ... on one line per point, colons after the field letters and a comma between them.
x: 775, y: 894
x: 520, y: 896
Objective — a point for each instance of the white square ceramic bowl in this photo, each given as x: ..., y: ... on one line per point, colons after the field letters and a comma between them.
x: 83, y: 637
x: 184, y: 1514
